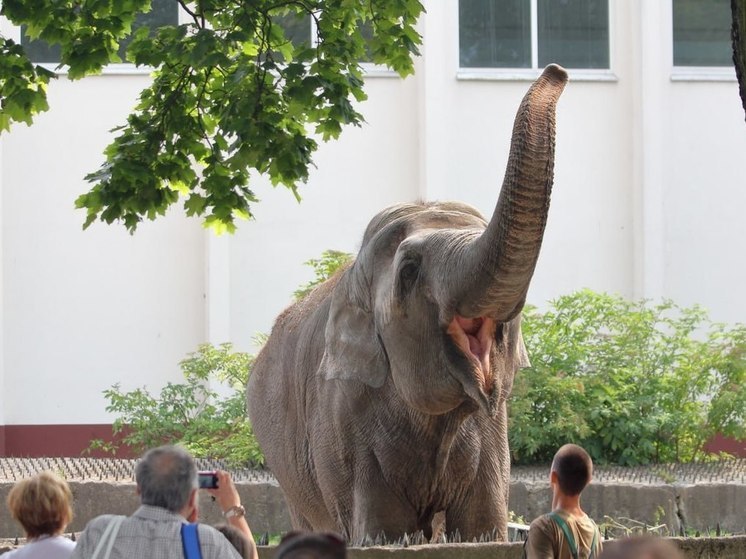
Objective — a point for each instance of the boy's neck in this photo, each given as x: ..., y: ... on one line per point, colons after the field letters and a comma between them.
x: 567, y: 503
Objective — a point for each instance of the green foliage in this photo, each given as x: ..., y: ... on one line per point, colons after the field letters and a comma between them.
x: 231, y: 93
x: 324, y: 268
x: 191, y: 413
x: 22, y: 86
x: 632, y: 382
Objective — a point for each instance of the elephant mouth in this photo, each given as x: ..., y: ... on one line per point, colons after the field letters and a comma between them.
x: 474, y: 336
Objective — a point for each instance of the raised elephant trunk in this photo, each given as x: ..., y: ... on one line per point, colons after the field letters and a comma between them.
x: 499, y: 264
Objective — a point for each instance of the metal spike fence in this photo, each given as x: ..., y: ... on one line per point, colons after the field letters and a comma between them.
x: 722, y: 471
x: 110, y: 469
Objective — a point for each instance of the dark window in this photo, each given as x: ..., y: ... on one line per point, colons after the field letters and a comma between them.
x: 162, y: 12
x: 574, y: 33
x: 701, y: 33
x: 497, y: 33
x: 297, y: 27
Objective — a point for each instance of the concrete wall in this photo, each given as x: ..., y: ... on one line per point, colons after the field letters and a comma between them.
x: 701, y: 506
x: 710, y: 548
x: 646, y: 202
x: 704, y: 548
x: 264, y: 503
x: 693, y: 548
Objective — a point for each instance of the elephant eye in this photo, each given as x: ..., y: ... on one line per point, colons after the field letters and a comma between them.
x: 408, y: 274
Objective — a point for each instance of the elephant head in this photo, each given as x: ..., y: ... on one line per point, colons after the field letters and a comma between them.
x: 434, y: 296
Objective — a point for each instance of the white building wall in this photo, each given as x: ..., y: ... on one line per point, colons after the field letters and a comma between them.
x: 704, y: 196
x: 646, y: 202
x: 85, y: 309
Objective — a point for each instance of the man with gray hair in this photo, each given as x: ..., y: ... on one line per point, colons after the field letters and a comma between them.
x: 168, y: 488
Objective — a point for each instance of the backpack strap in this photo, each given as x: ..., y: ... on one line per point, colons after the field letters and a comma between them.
x: 594, y: 542
x: 525, y: 554
x: 568, y: 535
x: 108, y: 537
x: 190, y: 541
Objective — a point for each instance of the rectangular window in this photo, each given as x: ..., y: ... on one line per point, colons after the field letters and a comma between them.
x: 300, y: 29
x: 162, y: 12
x: 574, y: 33
x: 701, y: 33
x: 533, y: 33
x: 297, y: 28
x: 494, y: 34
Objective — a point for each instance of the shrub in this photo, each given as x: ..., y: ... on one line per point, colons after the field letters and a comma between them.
x: 631, y: 382
x: 191, y: 413
x: 324, y: 268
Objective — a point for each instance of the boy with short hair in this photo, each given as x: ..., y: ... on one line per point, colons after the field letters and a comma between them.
x: 567, y: 532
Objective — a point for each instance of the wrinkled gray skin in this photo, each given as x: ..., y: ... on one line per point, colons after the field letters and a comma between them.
x: 380, y: 399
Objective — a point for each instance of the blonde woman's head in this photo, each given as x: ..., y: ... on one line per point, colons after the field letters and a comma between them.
x: 41, y: 504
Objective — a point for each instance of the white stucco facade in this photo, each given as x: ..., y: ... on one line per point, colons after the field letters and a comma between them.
x: 648, y: 202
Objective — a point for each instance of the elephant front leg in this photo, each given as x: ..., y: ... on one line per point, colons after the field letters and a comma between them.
x: 378, y: 511
x: 481, y: 513
x: 484, y: 506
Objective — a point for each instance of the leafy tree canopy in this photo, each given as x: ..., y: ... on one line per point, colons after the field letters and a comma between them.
x: 230, y: 93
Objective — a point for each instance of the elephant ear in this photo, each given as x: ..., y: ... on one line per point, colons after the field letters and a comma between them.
x: 352, y: 350
x: 517, y: 347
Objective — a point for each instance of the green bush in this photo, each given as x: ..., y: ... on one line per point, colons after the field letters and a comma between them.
x: 324, y: 268
x: 631, y: 382
x: 191, y: 413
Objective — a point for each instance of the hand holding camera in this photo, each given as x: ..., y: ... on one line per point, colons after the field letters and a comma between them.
x: 219, y: 484
x: 208, y: 479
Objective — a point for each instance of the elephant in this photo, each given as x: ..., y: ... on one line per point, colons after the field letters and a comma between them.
x: 380, y: 399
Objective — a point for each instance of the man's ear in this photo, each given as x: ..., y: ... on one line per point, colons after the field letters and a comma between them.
x: 553, y: 477
x: 192, y: 508
x: 137, y: 490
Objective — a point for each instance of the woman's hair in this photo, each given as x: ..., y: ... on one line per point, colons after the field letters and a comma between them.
x: 42, y: 504
x: 243, y: 544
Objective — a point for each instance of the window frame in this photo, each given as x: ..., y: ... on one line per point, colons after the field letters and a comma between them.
x: 530, y: 74
x: 695, y: 73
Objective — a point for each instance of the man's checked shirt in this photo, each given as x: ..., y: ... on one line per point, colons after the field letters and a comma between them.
x: 151, y: 533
